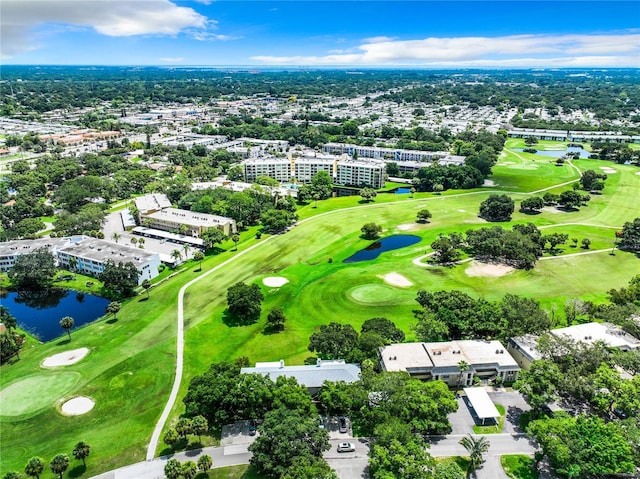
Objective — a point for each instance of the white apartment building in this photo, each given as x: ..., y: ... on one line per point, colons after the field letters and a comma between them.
x: 83, y: 254
x: 388, y: 154
x: 155, y: 212
x: 441, y: 360
x: 343, y: 171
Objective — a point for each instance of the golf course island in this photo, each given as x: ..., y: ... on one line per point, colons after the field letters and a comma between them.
x: 127, y: 367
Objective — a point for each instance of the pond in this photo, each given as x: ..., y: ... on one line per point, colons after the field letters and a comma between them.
x: 385, y: 244
x: 558, y: 153
x: 40, y: 312
x: 402, y: 191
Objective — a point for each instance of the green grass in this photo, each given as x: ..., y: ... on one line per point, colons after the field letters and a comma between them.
x: 462, y: 461
x: 18, y: 399
x: 492, y: 429
x: 234, y: 472
x: 519, y: 466
x: 129, y: 370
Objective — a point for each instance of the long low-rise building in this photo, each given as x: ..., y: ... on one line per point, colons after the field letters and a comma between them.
x: 155, y: 212
x: 573, y: 135
x: 83, y: 254
x: 313, y: 376
x: 388, y: 154
x: 454, y: 362
x: 524, y: 348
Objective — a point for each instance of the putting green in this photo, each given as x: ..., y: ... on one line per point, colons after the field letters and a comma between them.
x: 374, y: 294
x: 36, y: 392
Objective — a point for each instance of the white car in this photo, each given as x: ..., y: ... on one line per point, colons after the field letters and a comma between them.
x: 346, y: 447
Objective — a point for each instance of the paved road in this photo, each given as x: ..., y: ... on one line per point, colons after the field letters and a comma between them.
x: 500, y: 444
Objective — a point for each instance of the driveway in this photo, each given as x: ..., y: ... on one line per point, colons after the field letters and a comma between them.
x: 349, y: 465
x: 514, y: 405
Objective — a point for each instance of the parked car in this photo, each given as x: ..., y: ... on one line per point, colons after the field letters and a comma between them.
x: 253, y: 427
x: 342, y: 421
x: 346, y: 447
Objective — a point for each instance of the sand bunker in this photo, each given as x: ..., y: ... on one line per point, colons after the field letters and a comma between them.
x: 407, y: 227
x: 66, y: 358
x: 275, y: 281
x: 489, y: 183
x: 396, y: 279
x: 607, y: 170
x: 476, y: 268
x: 77, y: 406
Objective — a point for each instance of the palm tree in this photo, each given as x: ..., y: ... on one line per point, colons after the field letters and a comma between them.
x: 116, y: 236
x: 141, y: 243
x: 59, y: 464
x: 464, y: 367
x: 173, y: 469
x: 204, y: 463
x: 34, y: 467
x: 113, y: 307
x: 7, y: 318
x: 199, y: 256
x: 146, y: 284
x: 134, y: 241
x: 183, y: 229
x: 66, y: 323
x: 176, y: 255
x: 235, y: 238
x: 476, y: 447
x: 199, y: 426
x: 186, y: 249
x: 189, y: 470
x: 81, y: 451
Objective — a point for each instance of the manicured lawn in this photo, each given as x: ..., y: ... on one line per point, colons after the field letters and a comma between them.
x: 130, y: 367
x: 518, y: 466
x: 234, y: 472
x: 492, y: 429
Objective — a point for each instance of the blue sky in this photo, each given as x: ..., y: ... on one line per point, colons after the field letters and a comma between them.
x: 330, y: 33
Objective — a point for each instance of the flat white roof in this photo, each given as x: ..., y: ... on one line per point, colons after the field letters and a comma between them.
x: 481, y: 403
x: 611, y: 335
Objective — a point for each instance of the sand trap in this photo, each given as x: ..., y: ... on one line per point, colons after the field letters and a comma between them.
x: 608, y: 170
x: 476, y: 268
x: 66, y: 358
x: 407, y: 227
x: 489, y: 183
x: 275, y: 281
x: 396, y: 279
x: 638, y: 173
x: 505, y: 163
x: 77, y: 406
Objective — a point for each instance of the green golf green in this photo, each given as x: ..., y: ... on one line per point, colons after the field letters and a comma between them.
x: 36, y: 392
x: 374, y: 294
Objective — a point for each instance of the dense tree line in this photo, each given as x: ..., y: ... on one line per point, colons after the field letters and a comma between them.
x: 519, y: 247
x: 449, y: 315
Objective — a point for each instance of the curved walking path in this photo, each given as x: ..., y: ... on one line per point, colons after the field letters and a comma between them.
x: 155, y: 437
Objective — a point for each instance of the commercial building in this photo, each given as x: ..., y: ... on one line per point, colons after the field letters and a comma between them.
x: 443, y: 360
x: 312, y: 377
x: 524, y: 348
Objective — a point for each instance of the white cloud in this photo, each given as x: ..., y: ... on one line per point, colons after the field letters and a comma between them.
x: 116, y: 18
x: 208, y: 36
x: 514, y: 50
x: 172, y: 60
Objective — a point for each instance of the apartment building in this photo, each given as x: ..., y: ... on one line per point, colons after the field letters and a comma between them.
x: 378, y: 153
x: 443, y: 361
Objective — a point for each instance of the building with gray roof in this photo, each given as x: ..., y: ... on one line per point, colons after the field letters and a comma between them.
x: 312, y: 377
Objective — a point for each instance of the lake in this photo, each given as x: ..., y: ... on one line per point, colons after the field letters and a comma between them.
x: 40, y: 312
x: 385, y: 244
x: 558, y: 153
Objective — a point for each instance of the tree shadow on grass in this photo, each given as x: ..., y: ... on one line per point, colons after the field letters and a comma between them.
x: 530, y: 212
x: 111, y: 321
x: 143, y: 299
x: 233, y: 321
x: 63, y: 342
x: 269, y: 330
x: 77, y: 471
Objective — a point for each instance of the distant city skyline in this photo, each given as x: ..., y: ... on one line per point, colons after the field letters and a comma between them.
x: 426, y: 34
